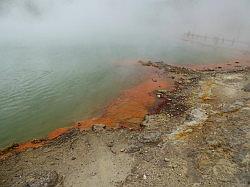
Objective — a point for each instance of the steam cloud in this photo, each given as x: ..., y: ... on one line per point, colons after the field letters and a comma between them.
x: 86, y: 20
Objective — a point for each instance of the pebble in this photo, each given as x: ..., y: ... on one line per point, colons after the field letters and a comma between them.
x: 233, y: 107
x: 93, y: 173
x: 162, y: 91
x: 134, y: 148
x: 98, y: 127
x: 196, y: 184
x: 44, y: 178
x: 189, y: 130
x: 110, y: 144
x: 166, y: 160
x: 150, y: 137
x: 246, y: 88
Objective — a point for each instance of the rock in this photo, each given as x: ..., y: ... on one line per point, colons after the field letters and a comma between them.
x: 144, y: 177
x: 153, y: 122
x: 197, y: 115
x: 166, y: 160
x: 173, y: 165
x: 237, y: 105
x: 246, y: 160
x: 225, y: 170
x: 14, y: 145
x: 146, y: 156
x: 134, y: 148
x: 122, y: 150
x: 214, y: 143
x: 162, y: 91
x: 73, y: 158
x: 93, y: 174
x: 110, y: 144
x: 150, y: 137
x: 149, y: 63
x: 98, y: 127
x: 196, y: 184
x: 188, y: 130
x: 36, y: 141
x: 43, y: 179
x: 246, y: 88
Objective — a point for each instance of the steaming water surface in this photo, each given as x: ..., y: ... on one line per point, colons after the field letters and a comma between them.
x: 43, y: 88
x: 62, y: 61
x: 46, y: 87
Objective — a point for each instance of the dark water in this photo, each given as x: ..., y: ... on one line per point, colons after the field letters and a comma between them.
x: 43, y: 87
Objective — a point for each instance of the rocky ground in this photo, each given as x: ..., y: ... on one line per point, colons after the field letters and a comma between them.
x: 195, y: 135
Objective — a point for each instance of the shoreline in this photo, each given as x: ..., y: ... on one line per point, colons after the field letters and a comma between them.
x: 194, y: 134
x: 155, y: 81
x: 108, y: 117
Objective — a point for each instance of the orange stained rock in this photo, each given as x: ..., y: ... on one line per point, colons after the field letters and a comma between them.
x: 27, y: 145
x: 57, y: 132
x: 129, y: 109
x: 33, y: 144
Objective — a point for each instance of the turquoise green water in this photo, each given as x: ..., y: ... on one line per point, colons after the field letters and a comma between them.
x: 43, y: 87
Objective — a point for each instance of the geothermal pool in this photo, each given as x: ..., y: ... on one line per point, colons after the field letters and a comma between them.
x: 63, y: 61
x: 50, y: 86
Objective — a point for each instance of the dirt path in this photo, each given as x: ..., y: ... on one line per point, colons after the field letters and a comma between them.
x: 195, y: 135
